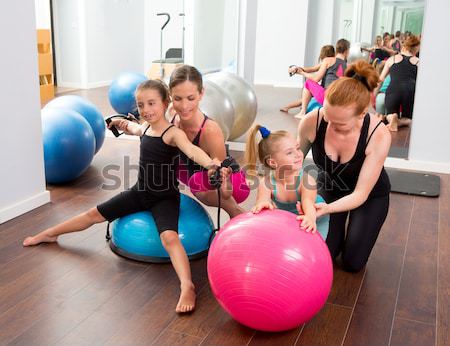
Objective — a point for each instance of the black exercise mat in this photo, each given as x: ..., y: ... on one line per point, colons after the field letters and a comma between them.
x: 414, y: 183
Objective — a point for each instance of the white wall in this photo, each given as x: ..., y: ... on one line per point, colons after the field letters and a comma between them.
x: 320, y: 28
x: 95, y: 40
x: 230, y: 33
x: 431, y: 122
x: 42, y: 12
x: 22, y: 182
x: 280, y: 40
x: 114, y: 39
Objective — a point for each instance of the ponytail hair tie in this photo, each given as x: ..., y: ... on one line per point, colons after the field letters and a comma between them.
x: 264, y: 132
x: 361, y: 79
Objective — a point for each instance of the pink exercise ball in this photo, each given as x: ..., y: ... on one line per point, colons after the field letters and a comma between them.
x: 267, y: 273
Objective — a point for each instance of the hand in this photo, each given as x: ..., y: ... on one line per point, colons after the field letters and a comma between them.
x: 299, y: 208
x: 307, y: 223
x: 321, y: 209
x: 226, y: 188
x: 120, y: 124
x: 292, y: 70
x: 263, y: 205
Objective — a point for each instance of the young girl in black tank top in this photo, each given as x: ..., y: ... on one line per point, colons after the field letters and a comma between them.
x: 156, y: 189
x: 349, y: 148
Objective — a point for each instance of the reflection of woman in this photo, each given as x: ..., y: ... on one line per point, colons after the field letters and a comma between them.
x: 330, y: 69
x: 349, y: 148
x: 400, y: 93
x: 377, y: 50
x: 186, y: 90
x: 326, y: 51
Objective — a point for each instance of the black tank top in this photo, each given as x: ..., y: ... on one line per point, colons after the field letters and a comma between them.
x: 381, y: 54
x: 157, y: 165
x: 334, y: 72
x: 403, y: 73
x: 340, y: 179
x: 193, y: 166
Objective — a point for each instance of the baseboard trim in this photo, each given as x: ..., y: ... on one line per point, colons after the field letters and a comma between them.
x: 24, y: 206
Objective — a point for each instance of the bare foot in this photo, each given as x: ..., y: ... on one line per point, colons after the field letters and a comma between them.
x: 284, y: 110
x: 392, y: 122
x: 187, y: 299
x: 39, y: 238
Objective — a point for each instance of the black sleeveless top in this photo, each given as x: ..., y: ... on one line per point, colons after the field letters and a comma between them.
x: 340, y: 179
x: 332, y: 73
x: 157, y: 165
x: 403, y: 74
x: 193, y: 166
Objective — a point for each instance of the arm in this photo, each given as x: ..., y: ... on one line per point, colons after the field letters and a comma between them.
x: 308, y: 191
x: 376, y: 154
x: 384, y: 73
x: 128, y: 127
x: 178, y: 138
x: 370, y: 50
x: 263, y: 197
x: 307, y: 131
x: 320, y: 73
x: 311, y: 69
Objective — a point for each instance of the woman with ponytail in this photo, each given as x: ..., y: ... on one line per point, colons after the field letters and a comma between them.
x: 349, y: 147
x: 286, y: 185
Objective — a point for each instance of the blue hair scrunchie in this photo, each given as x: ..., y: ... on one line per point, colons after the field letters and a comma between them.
x: 264, y: 132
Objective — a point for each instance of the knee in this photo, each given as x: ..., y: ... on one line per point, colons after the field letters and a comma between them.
x: 169, y: 239
x: 352, y: 265
x: 94, y: 215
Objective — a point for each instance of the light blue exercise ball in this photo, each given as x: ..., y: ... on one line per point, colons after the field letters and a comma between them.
x: 121, y: 92
x: 135, y: 236
x: 69, y: 144
x: 313, y: 104
x: 88, y: 110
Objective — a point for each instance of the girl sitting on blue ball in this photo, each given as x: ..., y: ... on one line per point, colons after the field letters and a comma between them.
x: 286, y: 185
x: 156, y: 189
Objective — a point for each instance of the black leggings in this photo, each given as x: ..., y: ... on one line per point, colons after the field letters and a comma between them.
x: 364, y: 225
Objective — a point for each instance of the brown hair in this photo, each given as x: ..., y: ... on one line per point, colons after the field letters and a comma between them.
x: 154, y: 84
x: 359, y: 80
x: 186, y: 73
x: 261, y: 150
x: 411, y: 42
x: 326, y: 52
x: 342, y: 46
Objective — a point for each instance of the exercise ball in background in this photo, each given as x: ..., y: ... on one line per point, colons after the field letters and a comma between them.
x: 266, y: 273
x: 135, y: 236
x: 217, y: 105
x: 87, y: 110
x: 69, y: 144
x: 356, y: 54
x: 121, y: 92
x: 242, y: 97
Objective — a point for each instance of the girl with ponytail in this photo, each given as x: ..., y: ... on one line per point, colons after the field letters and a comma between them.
x: 286, y: 185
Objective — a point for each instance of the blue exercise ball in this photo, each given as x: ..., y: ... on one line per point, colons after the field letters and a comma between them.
x: 135, y: 236
x: 87, y: 110
x: 313, y: 104
x: 121, y: 92
x: 69, y: 144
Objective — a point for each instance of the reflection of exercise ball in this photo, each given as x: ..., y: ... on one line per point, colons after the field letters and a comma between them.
x: 121, y: 92
x: 217, y: 105
x: 379, y: 103
x: 242, y: 97
x: 266, y: 273
x: 313, y: 104
x: 356, y: 54
x: 69, y: 144
x: 135, y: 236
x: 87, y: 110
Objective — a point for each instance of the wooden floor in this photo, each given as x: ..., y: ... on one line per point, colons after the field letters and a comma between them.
x: 78, y: 292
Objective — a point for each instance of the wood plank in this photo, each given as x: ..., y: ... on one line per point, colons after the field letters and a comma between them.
x: 171, y: 338
x: 345, y: 287
x: 443, y: 309
x: 283, y: 338
x: 412, y: 333
x: 374, y: 310
x: 417, y: 293
x: 327, y: 328
x: 228, y: 332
